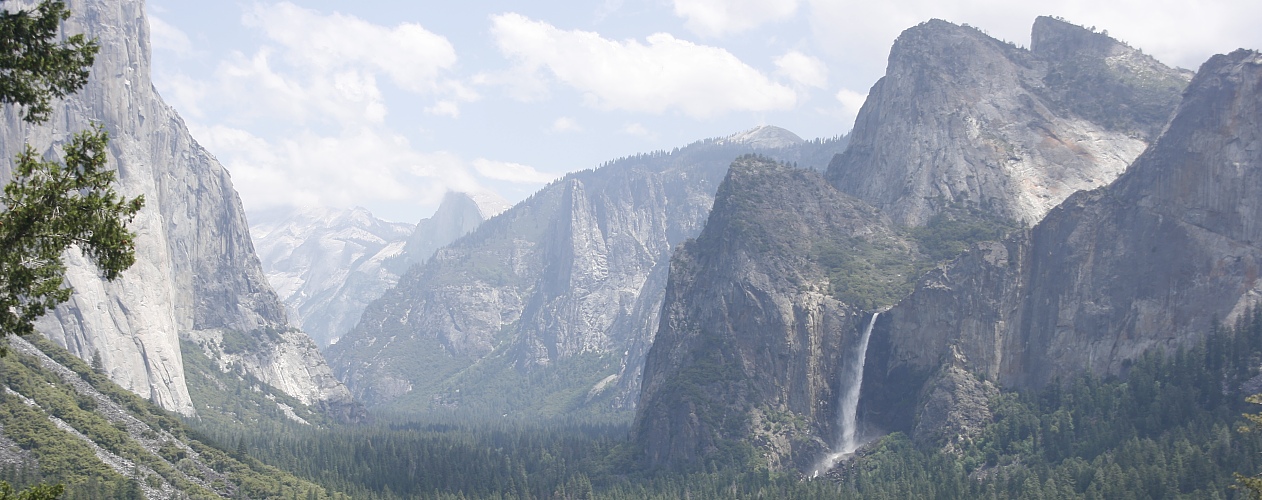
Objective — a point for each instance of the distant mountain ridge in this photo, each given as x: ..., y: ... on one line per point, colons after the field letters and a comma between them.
x: 548, y: 308
x: 328, y: 264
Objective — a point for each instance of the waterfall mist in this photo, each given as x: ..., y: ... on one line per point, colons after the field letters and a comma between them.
x: 848, y: 418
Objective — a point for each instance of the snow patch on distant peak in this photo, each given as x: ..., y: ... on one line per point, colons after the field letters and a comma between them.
x: 764, y: 137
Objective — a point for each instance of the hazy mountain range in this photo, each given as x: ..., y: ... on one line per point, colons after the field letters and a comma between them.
x: 999, y: 219
x: 328, y: 264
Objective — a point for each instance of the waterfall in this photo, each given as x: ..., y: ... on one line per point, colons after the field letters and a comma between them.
x: 848, y: 420
x: 850, y: 399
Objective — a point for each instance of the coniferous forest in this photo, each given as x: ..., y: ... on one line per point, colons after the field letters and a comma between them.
x: 1172, y: 426
x: 1065, y: 219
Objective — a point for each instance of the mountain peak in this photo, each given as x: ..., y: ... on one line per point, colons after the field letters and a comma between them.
x: 1062, y: 120
x: 488, y: 203
x: 764, y: 137
x: 941, y: 43
x: 1056, y: 37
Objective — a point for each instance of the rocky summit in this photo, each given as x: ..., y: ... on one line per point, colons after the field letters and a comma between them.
x: 963, y: 118
x: 326, y: 264
x: 1147, y: 263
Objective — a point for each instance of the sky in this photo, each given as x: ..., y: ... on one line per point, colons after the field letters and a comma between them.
x: 388, y: 105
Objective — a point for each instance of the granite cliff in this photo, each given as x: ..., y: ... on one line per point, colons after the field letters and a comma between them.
x: 327, y: 265
x: 752, y: 333
x: 1146, y: 263
x: 551, y: 306
x: 196, y: 272
x: 964, y: 140
x: 961, y: 117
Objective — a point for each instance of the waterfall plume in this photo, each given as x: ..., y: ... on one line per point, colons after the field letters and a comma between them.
x: 848, y: 418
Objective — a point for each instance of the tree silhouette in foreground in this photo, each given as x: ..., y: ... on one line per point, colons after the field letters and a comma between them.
x: 51, y: 206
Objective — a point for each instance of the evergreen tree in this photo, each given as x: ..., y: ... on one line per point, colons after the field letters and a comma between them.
x: 1252, y: 484
x: 37, y: 492
x: 35, y: 66
x: 50, y: 206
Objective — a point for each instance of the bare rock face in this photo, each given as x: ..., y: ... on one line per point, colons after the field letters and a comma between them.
x: 963, y: 118
x: 1146, y: 263
x: 195, y: 265
x: 327, y: 264
x: 563, y: 290
x: 954, y: 406
x: 751, y: 342
x: 960, y: 120
x: 284, y: 362
x: 459, y: 214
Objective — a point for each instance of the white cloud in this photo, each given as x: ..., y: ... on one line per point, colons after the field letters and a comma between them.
x: 344, y: 170
x: 511, y: 172
x: 565, y: 124
x: 664, y: 75
x: 444, y: 108
x: 412, y: 56
x: 301, y: 120
x: 851, y: 102
x: 324, y: 69
x: 256, y: 88
x: 183, y: 92
x: 637, y: 130
x: 721, y: 17
x: 804, y: 70
x: 163, y: 36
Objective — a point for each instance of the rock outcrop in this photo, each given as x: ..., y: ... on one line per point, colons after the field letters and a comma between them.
x: 563, y: 290
x: 751, y: 339
x: 195, y: 265
x: 961, y: 117
x: 1146, y: 263
x: 459, y: 214
x: 964, y: 126
x: 954, y: 406
x: 327, y: 265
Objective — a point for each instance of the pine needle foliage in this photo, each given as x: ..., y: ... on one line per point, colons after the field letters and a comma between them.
x: 50, y: 207
x: 36, y: 66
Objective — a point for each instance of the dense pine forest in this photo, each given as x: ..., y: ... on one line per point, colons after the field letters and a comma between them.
x: 1172, y: 426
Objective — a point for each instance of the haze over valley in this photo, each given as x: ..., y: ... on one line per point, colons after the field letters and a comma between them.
x: 716, y: 249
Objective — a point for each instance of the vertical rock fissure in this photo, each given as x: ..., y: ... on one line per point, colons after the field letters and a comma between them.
x: 848, y: 418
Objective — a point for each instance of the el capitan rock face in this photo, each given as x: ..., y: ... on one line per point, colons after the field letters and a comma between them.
x: 195, y: 266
